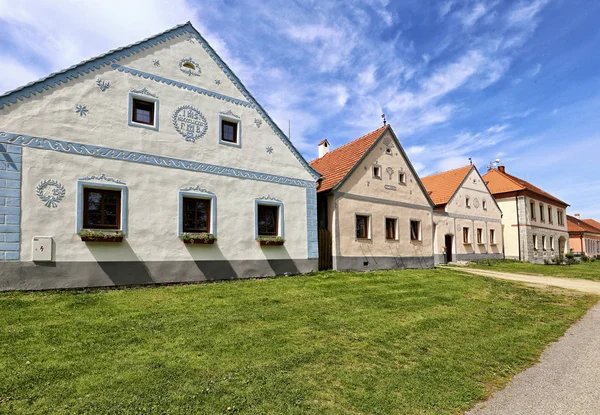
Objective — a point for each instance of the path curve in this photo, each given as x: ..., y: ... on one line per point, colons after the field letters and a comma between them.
x: 587, y: 286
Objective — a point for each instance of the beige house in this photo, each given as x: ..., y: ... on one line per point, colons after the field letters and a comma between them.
x: 373, y: 210
x: 467, y: 219
x: 534, y: 222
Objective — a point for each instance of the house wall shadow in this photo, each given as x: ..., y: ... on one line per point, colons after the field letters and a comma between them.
x: 214, y: 269
x: 279, y: 260
x: 129, y: 270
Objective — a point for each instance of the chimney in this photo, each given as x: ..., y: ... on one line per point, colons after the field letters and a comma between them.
x: 502, y: 169
x: 578, y: 215
x: 323, y: 148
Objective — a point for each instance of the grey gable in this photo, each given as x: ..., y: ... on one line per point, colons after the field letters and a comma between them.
x: 110, y: 58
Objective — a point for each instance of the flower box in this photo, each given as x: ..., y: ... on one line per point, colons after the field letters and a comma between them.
x: 270, y: 241
x: 100, y: 236
x: 198, y: 238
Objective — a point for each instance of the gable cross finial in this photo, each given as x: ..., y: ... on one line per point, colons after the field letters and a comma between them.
x: 384, y: 120
x: 470, y: 161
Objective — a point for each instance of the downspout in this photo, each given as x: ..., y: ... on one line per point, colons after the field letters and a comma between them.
x: 518, y: 225
x: 582, y: 246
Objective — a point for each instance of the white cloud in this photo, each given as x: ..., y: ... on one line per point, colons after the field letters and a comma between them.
x: 15, y: 74
x: 536, y: 70
x: 445, y: 8
x: 469, y: 18
x: 525, y: 12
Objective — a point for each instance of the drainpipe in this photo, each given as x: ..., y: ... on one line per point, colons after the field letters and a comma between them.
x: 582, y: 246
x: 518, y: 225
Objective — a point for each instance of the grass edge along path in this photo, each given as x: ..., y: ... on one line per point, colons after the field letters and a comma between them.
x: 583, y: 270
x: 391, y: 342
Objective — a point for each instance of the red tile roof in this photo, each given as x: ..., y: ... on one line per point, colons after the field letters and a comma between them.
x: 592, y: 222
x: 335, y: 165
x: 577, y: 225
x: 499, y: 182
x: 442, y: 186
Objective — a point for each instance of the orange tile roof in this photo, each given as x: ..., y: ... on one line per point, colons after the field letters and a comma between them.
x: 499, y: 182
x: 335, y: 165
x: 442, y: 186
x: 577, y: 225
x: 592, y: 222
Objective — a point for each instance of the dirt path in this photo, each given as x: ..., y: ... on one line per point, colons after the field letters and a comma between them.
x: 587, y: 286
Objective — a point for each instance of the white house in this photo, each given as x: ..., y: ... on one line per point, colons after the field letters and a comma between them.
x: 109, y: 166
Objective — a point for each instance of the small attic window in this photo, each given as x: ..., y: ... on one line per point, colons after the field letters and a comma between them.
x: 189, y: 65
x: 388, y: 151
x: 376, y: 171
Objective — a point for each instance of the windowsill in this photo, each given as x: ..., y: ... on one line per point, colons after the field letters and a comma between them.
x: 101, y: 235
x: 416, y: 241
x: 493, y: 243
x: 142, y: 125
x: 480, y: 243
x: 230, y: 143
x: 270, y: 240
x: 363, y: 239
x: 377, y: 177
x: 402, y: 183
x: 391, y: 240
x: 467, y: 243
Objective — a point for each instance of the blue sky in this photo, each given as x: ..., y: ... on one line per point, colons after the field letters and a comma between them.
x: 515, y: 80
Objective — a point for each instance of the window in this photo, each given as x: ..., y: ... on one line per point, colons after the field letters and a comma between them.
x: 550, y: 219
x: 551, y: 243
x: 479, y: 235
x: 466, y: 236
x: 391, y: 227
x: 230, y: 130
x: 532, y: 209
x: 468, y: 201
x: 189, y: 65
x: 544, y: 242
x: 268, y: 220
x: 484, y: 204
x: 362, y: 227
x: 143, y: 112
x: 376, y: 171
x: 493, y: 236
x: 542, y: 213
x: 415, y: 230
x: 101, y: 209
x: 401, y: 178
x: 561, y: 218
x: 196, y: 215
x: 535, y: 245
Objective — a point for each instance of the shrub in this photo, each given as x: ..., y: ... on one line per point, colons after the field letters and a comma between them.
x: 584, y: 258
x: 570, y: 255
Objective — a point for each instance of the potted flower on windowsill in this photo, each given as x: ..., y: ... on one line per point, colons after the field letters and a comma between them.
x: 270, y: 240
x: 91, y: 235
x: 198, y: 238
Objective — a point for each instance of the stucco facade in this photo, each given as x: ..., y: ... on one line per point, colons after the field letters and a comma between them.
x: 78, y: 133
x: 534, y: 223
x: 379, y: 197
x: 473, y: 208
x: 584, y: 236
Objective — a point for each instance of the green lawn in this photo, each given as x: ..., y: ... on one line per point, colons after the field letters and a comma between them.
x: 586, y: 270
x: 404, y: 342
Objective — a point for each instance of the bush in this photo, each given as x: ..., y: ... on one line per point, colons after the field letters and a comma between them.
x: 584, y: 258
x: 592, y: 259
x: 570, y: 255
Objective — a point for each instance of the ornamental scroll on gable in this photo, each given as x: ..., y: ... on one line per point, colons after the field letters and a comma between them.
x: 190, y: 123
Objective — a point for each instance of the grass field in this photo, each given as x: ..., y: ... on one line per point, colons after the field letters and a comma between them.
x: 585, y: 270
x: 407, y: 342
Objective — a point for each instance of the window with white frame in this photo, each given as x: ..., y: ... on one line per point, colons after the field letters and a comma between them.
x: 143, y: 111
x: 468, y: 201
x: 101, y: 206
x: 415, y: 230
x: 532, y: 209
x: 542, y: 213
x: 401, y: 178
x: 466, y: 235
x: 391, y: 229
x: 493, y: 236
x: 561, y: 218
x: 544, y: 242
x: 197, y: 213
x: 230, y: 130
x: 552, y: 243
x: 480, y: 236
x: 550, y: 218
x: 376, y: 171
x: 535, y: 242
x: 269, y: 219
x: 484, y: 204
x: 363, y: 226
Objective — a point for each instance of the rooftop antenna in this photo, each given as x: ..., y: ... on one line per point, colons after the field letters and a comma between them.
x: 289, y: 130
x: 384, y: 120
x: 470, y: 161
x: 493, y: 164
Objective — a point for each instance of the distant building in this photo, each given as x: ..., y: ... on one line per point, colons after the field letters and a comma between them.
x: 584, y: 236
x: 373, y: 210
x: 467, y: 219
x: 534, y: 222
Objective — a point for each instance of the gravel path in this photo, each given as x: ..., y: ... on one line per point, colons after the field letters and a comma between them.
x: 569, y: 283
x: 566, y: 381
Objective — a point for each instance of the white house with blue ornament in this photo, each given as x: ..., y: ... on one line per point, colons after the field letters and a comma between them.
x: 149, y: 164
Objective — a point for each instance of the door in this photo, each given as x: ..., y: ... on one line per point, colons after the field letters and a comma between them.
x: 325, y: 255
x: 448, y: 246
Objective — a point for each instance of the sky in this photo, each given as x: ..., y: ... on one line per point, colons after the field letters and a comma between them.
x: 457, y: 79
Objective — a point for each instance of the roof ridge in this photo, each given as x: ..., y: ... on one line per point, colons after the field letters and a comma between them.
x: 447, y: 171
x: 579, y: 222
x: 511, y: 178
x: 347, y: 144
